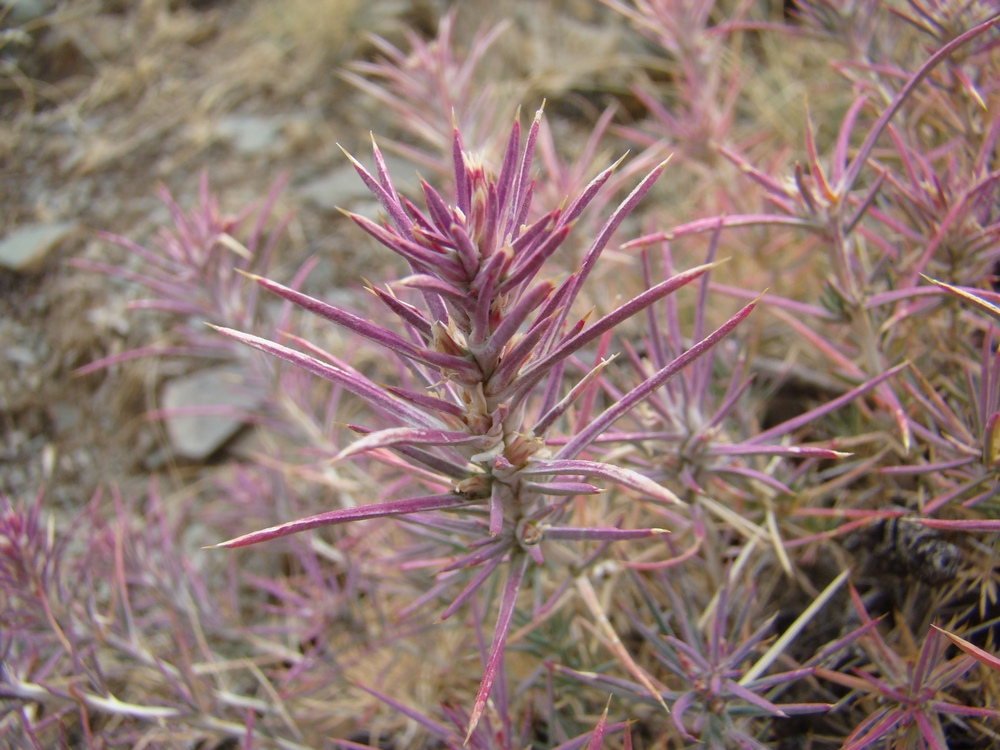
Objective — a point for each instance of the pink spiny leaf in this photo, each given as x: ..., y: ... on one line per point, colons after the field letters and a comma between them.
x: 374, y: 333
x: 640, y: 393
x: 617, y: 474
x: 353, y: 382
x: 515, y: 574
x: 411, y: 436
x: 598, y: 736
x: 347, y: 515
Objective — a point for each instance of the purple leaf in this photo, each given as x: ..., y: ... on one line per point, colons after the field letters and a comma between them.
x: 346, y: 515
x: 411, y: 436
x: 494, y: 663
x: 598, y: 737
x: 599, y: 425
x: 539, y: 369
x: 983, y: 657
x: 380, y: 336
x: 360, y: 386
x: 625, y: 477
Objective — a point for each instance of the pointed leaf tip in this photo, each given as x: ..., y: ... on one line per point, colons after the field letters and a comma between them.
x: 597, y: 736
x: 983, y: 657
x: 249, y: 275
x: 617, y: 163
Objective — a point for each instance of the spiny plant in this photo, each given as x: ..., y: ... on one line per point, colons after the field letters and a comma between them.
x: 909, y: 692
x: 437, y: 86
x: 192, y: 271
x: 826, y: 200
x: 485, y: 345
x: 708, y: 659
x: 707, y: 85
x: 113, y: 636
x: 432, y: 88
x: 489, y: 736
x: 958, y: 426
x: 695, y: 434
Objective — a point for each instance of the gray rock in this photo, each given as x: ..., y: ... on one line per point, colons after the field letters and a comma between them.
x: 215, y: 391
x: 26, y: 247
x: 21, y: 355
x: 19, y: 12
x: 250, y: 134
x: 66, y: 417
x: 335, y: 190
